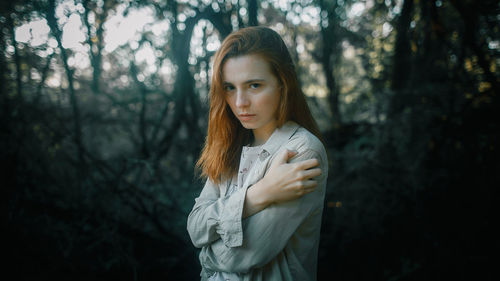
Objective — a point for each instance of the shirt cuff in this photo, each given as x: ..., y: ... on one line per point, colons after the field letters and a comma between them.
x: 231, y: 230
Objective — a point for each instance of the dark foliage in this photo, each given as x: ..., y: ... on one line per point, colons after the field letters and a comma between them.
x: 97, y: 174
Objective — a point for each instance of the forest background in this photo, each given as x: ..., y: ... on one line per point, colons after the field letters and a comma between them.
x: 104, y: 112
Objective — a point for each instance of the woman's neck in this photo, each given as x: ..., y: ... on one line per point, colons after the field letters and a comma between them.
x: 261, y: 135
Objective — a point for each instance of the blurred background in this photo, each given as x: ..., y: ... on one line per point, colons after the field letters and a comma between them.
x: 104, y: 111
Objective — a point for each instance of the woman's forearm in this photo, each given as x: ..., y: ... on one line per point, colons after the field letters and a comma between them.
x: 255, y: 199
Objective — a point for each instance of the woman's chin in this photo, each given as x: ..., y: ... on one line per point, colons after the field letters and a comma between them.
x: 247, y: 125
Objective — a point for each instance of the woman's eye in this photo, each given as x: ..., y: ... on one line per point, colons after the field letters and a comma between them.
x: 228, y: 88
x: 254, y: 85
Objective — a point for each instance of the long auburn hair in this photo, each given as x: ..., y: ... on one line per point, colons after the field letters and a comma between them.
x: 220, y: 157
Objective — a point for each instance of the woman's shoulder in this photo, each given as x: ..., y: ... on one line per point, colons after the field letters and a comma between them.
x: 307, y: 146
x: 303, y: 140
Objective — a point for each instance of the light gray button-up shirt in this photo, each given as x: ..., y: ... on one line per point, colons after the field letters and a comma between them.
x: 278, y: 243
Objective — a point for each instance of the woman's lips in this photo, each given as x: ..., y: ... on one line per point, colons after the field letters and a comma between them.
x: 246, y: 117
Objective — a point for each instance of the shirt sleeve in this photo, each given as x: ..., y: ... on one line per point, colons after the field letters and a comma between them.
x: 213, y: 217
x: 267, y: 232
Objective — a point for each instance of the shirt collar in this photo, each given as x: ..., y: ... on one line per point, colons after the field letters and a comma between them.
x: 278, y: 138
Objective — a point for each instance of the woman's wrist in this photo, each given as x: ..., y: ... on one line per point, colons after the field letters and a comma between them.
x: 256, y: 199
x: 261, y: 192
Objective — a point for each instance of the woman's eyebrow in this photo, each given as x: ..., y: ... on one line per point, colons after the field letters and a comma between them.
x: 246, y: 82
x: 254, y: 80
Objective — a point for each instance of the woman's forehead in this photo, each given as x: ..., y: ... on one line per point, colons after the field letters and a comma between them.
x: 247, y: 67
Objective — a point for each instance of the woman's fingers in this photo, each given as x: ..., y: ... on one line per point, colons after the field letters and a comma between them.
x: 283, y: 157
x: 307, y: 164
x: 302, y: 172
x: 311, y: 173
x: 308, y: 186
x: 292, y: 180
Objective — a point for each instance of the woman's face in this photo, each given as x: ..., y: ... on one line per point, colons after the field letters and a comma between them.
x: 253, y: 93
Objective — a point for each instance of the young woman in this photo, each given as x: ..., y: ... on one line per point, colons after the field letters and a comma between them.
x: 259, y: 215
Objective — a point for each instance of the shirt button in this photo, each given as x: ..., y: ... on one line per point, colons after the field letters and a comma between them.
x: 263, y: 155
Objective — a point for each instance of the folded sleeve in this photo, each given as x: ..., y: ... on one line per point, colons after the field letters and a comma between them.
x: 214, y: 217
x: 266, y: 233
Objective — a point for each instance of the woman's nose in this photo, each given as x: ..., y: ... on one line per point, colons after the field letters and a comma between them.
x: 242, y: 99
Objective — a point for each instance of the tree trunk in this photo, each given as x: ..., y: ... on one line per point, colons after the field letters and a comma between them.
x: 56, y: 32
x: 45, y: 72
x: 95, y: 42
x: 17, y: 60
x: 142, y: 115
x: 333, y: 92
x: 330, y: 46
x: 402, y: 52
x: 3, y: 68
x: 253, y: 7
